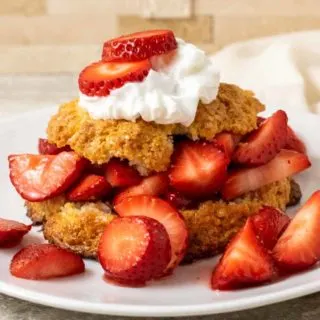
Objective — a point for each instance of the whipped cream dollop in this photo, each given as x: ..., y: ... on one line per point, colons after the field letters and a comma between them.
x: 169, y: 95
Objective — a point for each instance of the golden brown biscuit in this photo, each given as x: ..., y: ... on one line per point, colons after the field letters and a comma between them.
x: 148, y: 145
x: 213, y: 224
x: 79, y: 226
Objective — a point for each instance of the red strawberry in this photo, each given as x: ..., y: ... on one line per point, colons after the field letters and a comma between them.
x: 269, y: 223
x: 40, y: 177
x: 163, y: 212
x: 99, y: 78
x: 294, y: 142
x: 45, y: 261
x: 91, y: 187
x: 299, y: 246
x: 154, y: 185
x: 227, y: 142
x: 134, y: 249
x: 121, y: 174
x: 139, y: 46
x: 263, y: 144
x: 177, y: 199
x: 285, y: 164
x: 12, y: 232
x: 244, y: 263
x: 198, y: 169
x: 45, y: 147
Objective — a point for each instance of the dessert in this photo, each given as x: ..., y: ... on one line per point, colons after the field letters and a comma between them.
x: 156, y: 145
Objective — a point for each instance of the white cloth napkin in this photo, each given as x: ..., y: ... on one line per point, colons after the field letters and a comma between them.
x: 283, y: 71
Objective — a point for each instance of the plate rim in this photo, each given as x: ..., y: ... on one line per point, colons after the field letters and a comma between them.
x: 19, y: 292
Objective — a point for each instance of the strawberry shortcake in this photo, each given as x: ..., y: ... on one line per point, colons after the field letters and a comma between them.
x: 155, y: 138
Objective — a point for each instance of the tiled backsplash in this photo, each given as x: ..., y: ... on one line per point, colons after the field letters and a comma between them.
x: 64, y: 35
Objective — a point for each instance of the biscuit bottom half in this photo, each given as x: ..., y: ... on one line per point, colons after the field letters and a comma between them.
x: 78, y: 226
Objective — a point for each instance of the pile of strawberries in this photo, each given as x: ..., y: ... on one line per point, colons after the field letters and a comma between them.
x: 150, y: 237
x: 269, y: 246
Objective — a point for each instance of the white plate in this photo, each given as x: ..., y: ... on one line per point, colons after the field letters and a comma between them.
x: 185, y: 293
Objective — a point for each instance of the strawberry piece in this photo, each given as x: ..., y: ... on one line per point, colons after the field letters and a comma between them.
x: 269, y: 223
x: 263, y: 144
x: 285, y: 164
x: 154, y: 185
x: 163, y: 212
x: 91, y: 187
x: 227, y: 142
x: 45, y: 261
x: 299, y: 246
x: 134, y: 250
x: 46, y: 147
x: 12, y: 232
x: 198, y: 169
x: 177, y: 199
x: 120, y: 174
x: 294, y: 142
x: 99, y: 78
x: 40, y: 177
x: 244, y: 263
x: 139, y: 46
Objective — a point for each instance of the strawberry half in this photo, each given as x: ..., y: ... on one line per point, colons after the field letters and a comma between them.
x: 263, y: 144
x: 40, y: 177
x: 198, y: 169
x: 227, y: 142
x: 139, y: 46
x: 120, y: 174
x: 299, y: 246
x: 244, y: 263
x: 285, y: 164
x: 45, y: 147
x: 12, y: 232
x: 99, y: 78
x: 45, y: 261
x: 294, y: 142
x: 89, y: 188
x: 134, y: 250
x: 269, y: 223
x: 163, y: 212
x: 154, y: 185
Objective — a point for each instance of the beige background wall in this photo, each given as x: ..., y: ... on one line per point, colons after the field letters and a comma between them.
x: 64, y: 35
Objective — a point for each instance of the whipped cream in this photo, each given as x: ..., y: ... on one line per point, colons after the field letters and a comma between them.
x: 169, y: 95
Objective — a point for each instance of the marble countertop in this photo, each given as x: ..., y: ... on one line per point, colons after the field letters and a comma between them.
x: 22, y: 93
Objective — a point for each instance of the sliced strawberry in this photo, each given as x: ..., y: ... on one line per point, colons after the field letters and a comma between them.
x: 294, y: 142
x: 45, y: 147
x: 154, y: 185
x: 244, y: 263
x: 263, y: 144
x: 299, y: 246
x: 269, y: 223
x: 120, y: 174
x: 45, y: 261
x: 139, y: 45
x: 134, y: 249
x: 99, y: 78
x: 91, y: 187
x: 285, y: 164
x: 177, y: 199
x: 163, y: 212
x: 40, y: 177
x: 198, y: 169
x: 227, y: 142
x: 12, y: 232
